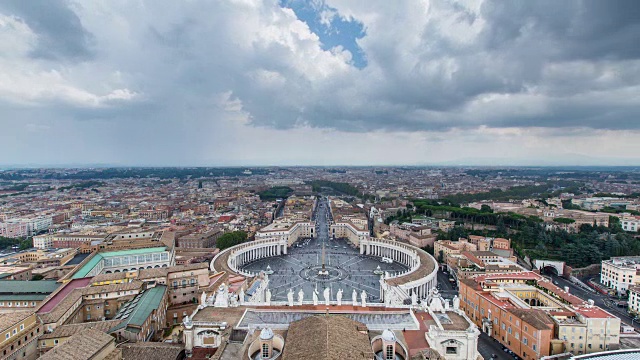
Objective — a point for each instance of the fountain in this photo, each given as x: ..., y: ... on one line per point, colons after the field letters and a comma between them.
x: 268, y: 271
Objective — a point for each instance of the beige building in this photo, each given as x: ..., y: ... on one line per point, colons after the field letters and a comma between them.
x: 19, y: 333
x: 287, y: 231
x: 588, y: 329
x: 200, y: 240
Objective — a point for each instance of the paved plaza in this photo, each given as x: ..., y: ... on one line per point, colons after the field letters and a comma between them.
x: 347, y: 269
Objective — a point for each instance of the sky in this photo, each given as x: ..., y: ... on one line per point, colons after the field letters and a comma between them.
x: 319, y: 82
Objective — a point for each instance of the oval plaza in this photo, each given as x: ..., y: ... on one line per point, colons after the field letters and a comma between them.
x: 330, y: 251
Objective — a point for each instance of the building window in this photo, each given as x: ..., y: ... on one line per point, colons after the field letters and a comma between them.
x: 55, y: 342
x: 534, y: 347
x: 525, y: 341
x: 21, y: 327
x: 390, y: 353
x: 452, y: 350
x: 7, y: 335
x: 265, y: 351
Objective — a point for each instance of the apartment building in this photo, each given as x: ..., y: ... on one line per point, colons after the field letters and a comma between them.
x: 634, y: 300
x: 417, y: 235
x: 630, y: 224
x: 445, y: 248
x: 620, y: 273
x: 43, y: 242
x: 33, y: 225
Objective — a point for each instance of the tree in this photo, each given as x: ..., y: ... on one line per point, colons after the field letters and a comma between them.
x: 440, y: 256
x: 486, y: 208
x: 231, y: 239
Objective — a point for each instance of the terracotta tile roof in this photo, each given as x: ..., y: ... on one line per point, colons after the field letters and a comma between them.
x: 72, y: 329
x: 326, y: 338
x: 152, y: 273
x: 536, y: 318
x: 152, y: 351
x: 133, y: 285
x: 187, y: 267
x: 109, y: 277
x: 9, y: 319
x: 81, y: 346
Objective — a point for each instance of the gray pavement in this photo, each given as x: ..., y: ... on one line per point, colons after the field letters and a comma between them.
x: 348, y: 270
x: 487, y: 347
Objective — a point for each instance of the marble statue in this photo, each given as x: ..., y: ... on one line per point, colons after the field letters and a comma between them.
x: 363, y: 297
x: 339, y: 297
x: 267, y: 296
x: 327, y: 296
x: 222, y: 297
x: 414, y: 298
x: 436, y: 305
x: 290, y: 297
x: 203, y: 298
x: 456, y: 303
x: 300, y: 296
x: 315, y: 298
x: 354, y: 297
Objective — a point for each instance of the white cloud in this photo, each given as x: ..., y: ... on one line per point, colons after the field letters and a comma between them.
x: 175, y: 80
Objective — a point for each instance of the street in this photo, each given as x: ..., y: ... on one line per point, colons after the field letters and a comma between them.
x: 600, y: 300
x: 487, y: 347
x: 445, y: 287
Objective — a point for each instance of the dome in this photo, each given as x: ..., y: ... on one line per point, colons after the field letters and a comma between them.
x: 266, y: 334
x: 388, y: 336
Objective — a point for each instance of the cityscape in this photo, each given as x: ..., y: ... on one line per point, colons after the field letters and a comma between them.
x: 320, y: 180
x: 402, y: 262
